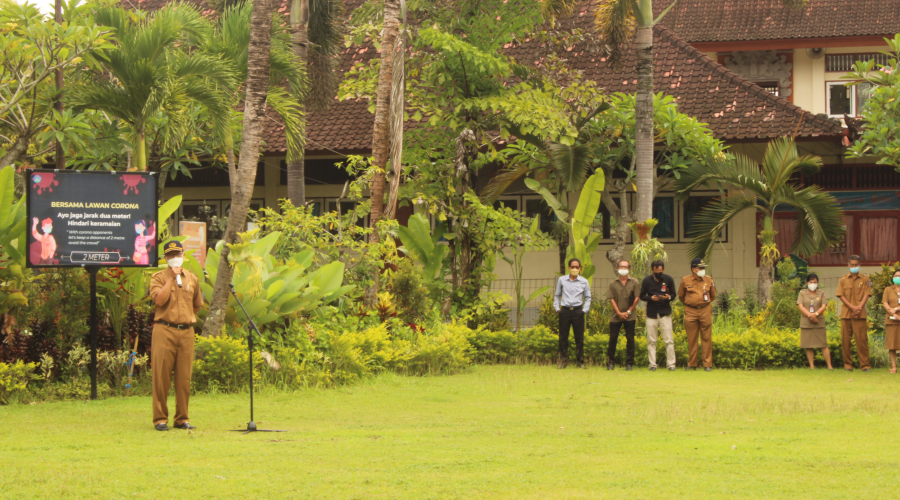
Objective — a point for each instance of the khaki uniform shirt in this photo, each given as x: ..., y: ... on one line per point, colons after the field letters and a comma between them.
x: 697, y: 292
x: 179, y: 309
x: 804, y: 300
x: 854, y: 288
x: 892, y: 298
x: 623, y: 295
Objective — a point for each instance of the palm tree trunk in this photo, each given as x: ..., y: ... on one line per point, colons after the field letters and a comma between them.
x: 764, y: 284
x: 643, y: 117
x: 766, y: 258
x: 140, y: 152
x: 229, y: 160
x: 398, y: 104
x: 254, y: 114
x: 296, y: 168
x: 380, y: 133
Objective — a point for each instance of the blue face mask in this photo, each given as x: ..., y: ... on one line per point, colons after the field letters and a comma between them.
x: 854, y: 270
x: 896, y: 281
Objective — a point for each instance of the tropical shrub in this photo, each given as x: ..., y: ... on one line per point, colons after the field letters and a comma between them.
x: 14, y: 379
x: 222, y: 364
x: 411, y: 299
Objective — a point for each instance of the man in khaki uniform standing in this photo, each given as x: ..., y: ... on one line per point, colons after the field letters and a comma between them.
x: 176, y: 293
x: 697, y: 292
x: 854, y: 290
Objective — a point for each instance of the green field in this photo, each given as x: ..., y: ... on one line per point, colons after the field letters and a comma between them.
x: 492, y: 432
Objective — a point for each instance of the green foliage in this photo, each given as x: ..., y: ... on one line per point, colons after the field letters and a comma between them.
x: 881, y: 112
x: 14, y: 378
x: 646, y: 248
x: 222, y: 364
x: 585, y: 243
x: 332, y: 237
x: 420, y: 244
x: 411, y: 299
x: 13, y: 274
x: 270, y: 289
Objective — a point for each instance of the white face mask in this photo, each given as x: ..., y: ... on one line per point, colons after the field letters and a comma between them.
x: 623, y: 272
x: 47, y: 229
x: 812, y: 286
x: 176, y: 261
x: 701, y: 273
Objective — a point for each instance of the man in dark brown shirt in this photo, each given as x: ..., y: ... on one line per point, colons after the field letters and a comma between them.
x: 623, y: 295
x: 176, y: 293
x: 697, y: 292
x: 854, y: 290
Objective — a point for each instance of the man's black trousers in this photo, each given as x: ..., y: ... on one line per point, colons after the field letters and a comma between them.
x: 574, y: 319
x: 614, y: 339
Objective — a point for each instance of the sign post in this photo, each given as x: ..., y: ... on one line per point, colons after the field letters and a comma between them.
x: 91, y: 220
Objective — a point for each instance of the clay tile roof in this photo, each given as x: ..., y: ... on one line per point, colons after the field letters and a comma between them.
x: 745, y: 20
x: 734, y: 107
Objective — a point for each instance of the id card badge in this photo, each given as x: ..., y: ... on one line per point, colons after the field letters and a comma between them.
x: 705, y: 295
x: 664, y: 287
x: 812, y: 308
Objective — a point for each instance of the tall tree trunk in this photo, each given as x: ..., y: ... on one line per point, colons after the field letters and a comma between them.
x: 621, y: 213
x: 60, y: 154
x: 563, y: 252
x: 254, y: 114
x: 296, y: 168
x: 398, y: 105
x: 764, y: 284
x: 381, y: 130
x: 140, y: 152
x: 643, y: 118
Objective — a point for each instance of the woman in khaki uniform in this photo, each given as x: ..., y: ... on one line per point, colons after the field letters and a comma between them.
x: 812, y: 306
x: 891, y: 303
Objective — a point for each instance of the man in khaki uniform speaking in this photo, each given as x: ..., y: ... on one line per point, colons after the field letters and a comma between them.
x: 697, y: 292
x: 854, y: 290
x: 176, y: 293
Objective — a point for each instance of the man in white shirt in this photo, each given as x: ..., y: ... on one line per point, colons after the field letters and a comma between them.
x: 572, y: 301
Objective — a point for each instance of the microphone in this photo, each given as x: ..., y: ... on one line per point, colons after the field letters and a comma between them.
x: 178, y: 280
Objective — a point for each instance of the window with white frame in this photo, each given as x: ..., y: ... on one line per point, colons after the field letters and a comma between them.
x: 843, y: 100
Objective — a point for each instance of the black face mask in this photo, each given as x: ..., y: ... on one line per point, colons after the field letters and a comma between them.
x: 658, y: 275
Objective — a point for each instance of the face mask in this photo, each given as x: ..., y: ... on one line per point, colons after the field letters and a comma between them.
x: 896, y: 281
x: 658, y: 275
x: 812, y: 286
x: 854, y: 270
x: 574, y: 272
x: 138, y: 231
x: 176, y: 261
x: 47, y: 229
x: 701, y: 273
x: 623, y: 272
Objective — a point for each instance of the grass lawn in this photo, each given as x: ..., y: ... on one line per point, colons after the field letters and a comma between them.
x: 492, y: 432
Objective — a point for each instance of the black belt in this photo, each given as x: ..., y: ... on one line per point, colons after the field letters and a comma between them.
x: 699, y: 307
x: 174, y: 325
x: 573, y: 308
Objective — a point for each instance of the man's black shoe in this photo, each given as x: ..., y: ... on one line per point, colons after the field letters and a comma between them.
x: 707, y: 369
x: 581, y: 365
x: 186, y: 426
x: 561, y: 363
x: 627, y: 368
x: 652, y: 368
x: 671, y: 368
x: 161, y: 427
x: 692, y: 368
x: 610, y: 366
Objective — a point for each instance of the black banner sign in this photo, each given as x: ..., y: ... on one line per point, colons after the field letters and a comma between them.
x: 79, y: 218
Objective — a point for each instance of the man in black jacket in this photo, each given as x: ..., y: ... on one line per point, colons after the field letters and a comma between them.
x: 658, y: 291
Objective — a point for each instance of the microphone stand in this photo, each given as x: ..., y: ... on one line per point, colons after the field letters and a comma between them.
x: 251, y: 426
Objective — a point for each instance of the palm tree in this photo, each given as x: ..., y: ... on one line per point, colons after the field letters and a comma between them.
x: 229, y: 41
x: 762, y: 188
x: 317, y: 41
x: 153, y: 73
x: 257, y: 87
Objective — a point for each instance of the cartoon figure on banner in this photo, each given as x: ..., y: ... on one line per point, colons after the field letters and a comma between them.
x: 44, y: 181
x: 43, y: 249
x: 143, y: 242
x: 131, y: 182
